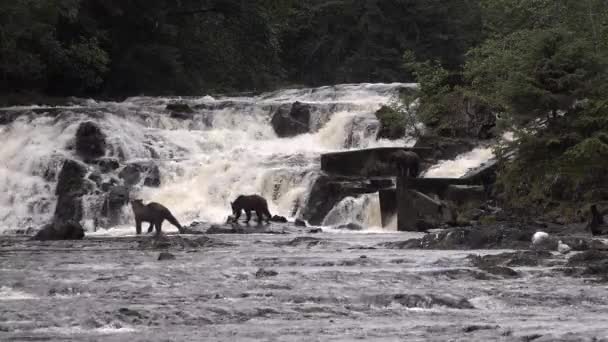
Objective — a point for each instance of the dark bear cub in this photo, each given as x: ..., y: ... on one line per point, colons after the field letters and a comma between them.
x: 406, y: 162
x: 250, y: 203
x: 155, y: 214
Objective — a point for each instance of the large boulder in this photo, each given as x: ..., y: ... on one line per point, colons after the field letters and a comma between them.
x: 180, y: 110
x: 60, y: 230
x: 68, y: 208
x: 90, y: 141
x: 71, y: 178
x: 71, y: 186
x: 293, y: 122
x: 392, y: 123
x: 133, y: 173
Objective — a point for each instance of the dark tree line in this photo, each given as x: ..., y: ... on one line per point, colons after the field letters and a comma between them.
x: 125, y: 47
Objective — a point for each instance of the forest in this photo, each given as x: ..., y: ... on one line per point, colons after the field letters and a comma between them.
x: 157, y: 47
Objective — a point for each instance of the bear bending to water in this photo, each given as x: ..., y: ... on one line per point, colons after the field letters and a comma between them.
x: 248, y: 203
x: 407, y: 163
x: 155, y: 214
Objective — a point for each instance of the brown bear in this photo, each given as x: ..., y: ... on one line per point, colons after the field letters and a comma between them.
x: 155, y: 214
x: 407, y: 163
x: 248, y: 203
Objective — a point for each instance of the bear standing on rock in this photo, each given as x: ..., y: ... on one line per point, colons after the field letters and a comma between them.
x: 251, y: 203
x: 155, y: 214
x: 406, y: 162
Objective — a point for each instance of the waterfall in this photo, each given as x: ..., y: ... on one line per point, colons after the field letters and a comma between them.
x: 226, y: 148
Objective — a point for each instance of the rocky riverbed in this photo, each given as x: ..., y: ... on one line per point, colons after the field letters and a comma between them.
x: 329, y: 286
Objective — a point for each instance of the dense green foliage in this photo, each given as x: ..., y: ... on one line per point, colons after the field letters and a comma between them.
x: 125, y: 47
x: 542, y: 67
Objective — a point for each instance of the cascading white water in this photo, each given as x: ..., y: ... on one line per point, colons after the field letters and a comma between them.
x: 228, y: 148
x: 363, y: 210
x: 461, y: 164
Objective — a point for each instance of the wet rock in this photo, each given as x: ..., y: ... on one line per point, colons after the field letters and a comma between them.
x: 90, y: 141
x: 106, y: 164
x: 293, y: 122
x: 217, y: 229
x: 133, y: 173
x: 505, y: 272
x: 432, y: 300
x: 69, y: 230
x: 457, y: 274
x: 587, y: 257
x: 350, y: 226
x: 180, y: 110
x: 130, y: 312
x: 71, y: 185
x: 481, y: 237
x: 165, y: 256
x: 8, y: 116
x: 279, y: 219
x: 472, y: 328
x: 407, y: 244
x: 530, y: 338
x: 106, y: 186
x: 95, y: 177
x: 71, y: 179
x: 306, y: 241
x: 510, y: 259
x: 300, y: 223
x: 583, y: 244
x: 263, y: 273
x: 69, y: 207
x: 180, y: 242
x: 315, y: 231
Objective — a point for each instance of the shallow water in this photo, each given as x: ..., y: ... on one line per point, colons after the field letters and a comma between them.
x: 342, y: 287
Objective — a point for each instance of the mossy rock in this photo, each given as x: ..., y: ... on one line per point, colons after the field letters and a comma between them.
x: 392, y: 123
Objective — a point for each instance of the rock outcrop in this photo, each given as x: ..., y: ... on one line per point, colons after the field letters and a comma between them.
x: 90, y: 141
x: 58, y: 230
x: 71, y: 186
x: 133, y: 173
x: 289, y: 123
